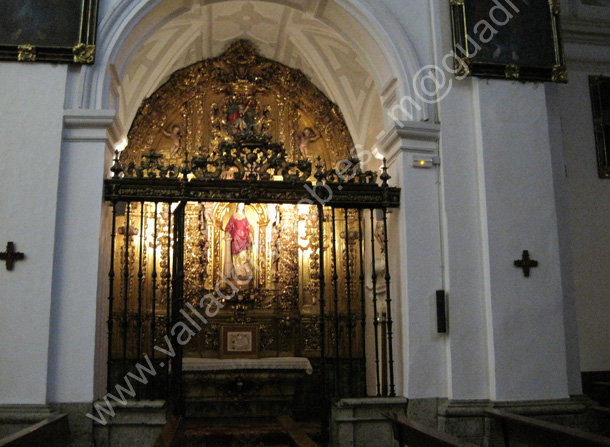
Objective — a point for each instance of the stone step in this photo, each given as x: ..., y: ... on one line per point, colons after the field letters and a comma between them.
x: 241, y: 433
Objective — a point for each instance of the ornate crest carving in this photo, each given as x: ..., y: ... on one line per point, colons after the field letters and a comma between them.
x: 237, y: 100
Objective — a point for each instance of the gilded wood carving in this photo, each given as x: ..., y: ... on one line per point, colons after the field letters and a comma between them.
x: 233, y: 97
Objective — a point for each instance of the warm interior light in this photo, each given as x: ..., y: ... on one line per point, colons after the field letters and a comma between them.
x: 303, y: 208
x: 378, y: 155
x: 121, y: 145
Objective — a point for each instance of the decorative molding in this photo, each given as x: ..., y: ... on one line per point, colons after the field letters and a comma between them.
x: 174, y: 190
x: 595, y: 13
x: 411, y: 137
x: 463, y: 408
x: 145, y: 412
x: 585, y: 32
x: 371, y: 402
x: 24, y: 414
x: 543, y: 407
x: 476, y: 408
x: 586, y: 45
x: 87, y: 125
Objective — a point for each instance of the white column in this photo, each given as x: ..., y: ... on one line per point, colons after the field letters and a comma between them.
x: 31, y: 106
x: 84, y: 155
x: 463, y: 214
x: 526, y: 343
x: 415, y: 260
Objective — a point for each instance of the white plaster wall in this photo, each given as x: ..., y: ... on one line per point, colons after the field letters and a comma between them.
x: 415, y: 20
x: 565, y: 238
x: 478, y: 153
x: 463, y: 251
x: 31, y: 107
x: 416, y: 262
x: 525, y: 315
x: 424, y: 365
x: 77, y: 241
x: 589, y: 221
x: 462, y: 223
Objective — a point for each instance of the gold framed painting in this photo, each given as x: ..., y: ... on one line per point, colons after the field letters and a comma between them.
x: 48, y: 30
x: 508, y: 39
x: 239, y: 341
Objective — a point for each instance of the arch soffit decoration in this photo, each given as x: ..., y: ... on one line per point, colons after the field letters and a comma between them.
x: 374, y: 38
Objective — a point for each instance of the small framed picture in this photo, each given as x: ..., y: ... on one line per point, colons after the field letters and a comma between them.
x: 239, y: 342
x: 508, y: 39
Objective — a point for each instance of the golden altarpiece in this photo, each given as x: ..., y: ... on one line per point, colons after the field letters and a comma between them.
x: 216, y: 239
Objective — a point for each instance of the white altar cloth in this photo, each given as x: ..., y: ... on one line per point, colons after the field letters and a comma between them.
x: 191, y: 364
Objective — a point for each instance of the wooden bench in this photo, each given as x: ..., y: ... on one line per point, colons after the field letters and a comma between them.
x: 413, y: 434
x: 50, y: 432
x: 536, y: 433
x: 601, y: 410
x: 602, y: 392
x: 298, y: 438
x: 603, y: 419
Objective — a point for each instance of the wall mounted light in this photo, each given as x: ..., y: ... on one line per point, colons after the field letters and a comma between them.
x: 424, y: 161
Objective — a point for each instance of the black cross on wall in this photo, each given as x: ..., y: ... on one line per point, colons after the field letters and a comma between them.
x: 10, y: 256
x: 526, y: 263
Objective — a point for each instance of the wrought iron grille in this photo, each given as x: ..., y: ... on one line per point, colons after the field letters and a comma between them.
x: 160, y: 265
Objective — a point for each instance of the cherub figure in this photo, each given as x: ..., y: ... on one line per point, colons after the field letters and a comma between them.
x: 309, y: 135
x: 174, y: 137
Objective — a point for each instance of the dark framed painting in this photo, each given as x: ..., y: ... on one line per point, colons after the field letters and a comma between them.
x: 239, y: 341
x: 599, y: 86
x: 48, y: 30
x: 508, y: 39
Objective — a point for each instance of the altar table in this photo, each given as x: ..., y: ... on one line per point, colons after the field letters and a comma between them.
x: 264, y: 387
x: 191, y: 364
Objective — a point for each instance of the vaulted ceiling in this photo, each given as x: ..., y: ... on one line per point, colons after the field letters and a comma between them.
x: 295, y: 36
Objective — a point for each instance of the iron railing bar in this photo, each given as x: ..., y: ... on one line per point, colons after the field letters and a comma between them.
x: 140, y: 279
x: 126, y: 286
x: 389, y: 303
x: 362, y: 299
x: 168, y: 279
x: 348, y: 285
x: 325, y: 413
x: 336, y: 302
x: 177, y: 308
x: 153, y: 322
x: 375, y: 316
x: 153, y: 325
x: 111, y: 275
